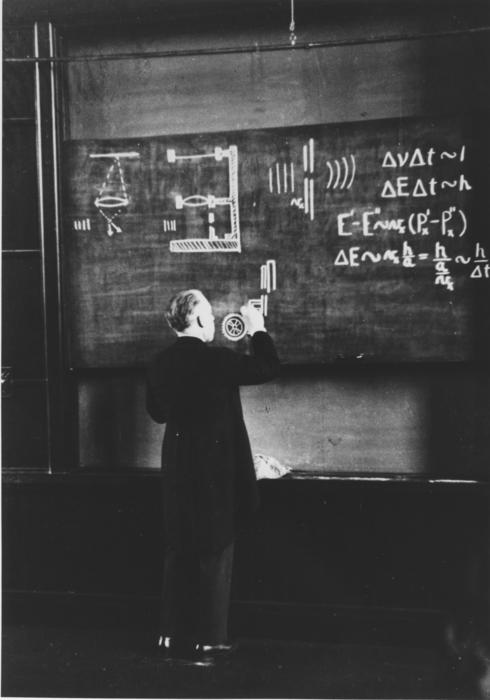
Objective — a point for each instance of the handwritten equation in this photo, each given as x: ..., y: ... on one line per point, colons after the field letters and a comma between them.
x: 408, y: 184
x: 478, y: 262
x: 451, y: 222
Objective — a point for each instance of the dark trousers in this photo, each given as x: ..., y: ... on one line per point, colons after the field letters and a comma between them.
x: 196, y: 595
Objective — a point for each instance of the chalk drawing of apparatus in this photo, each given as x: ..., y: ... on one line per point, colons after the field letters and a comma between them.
x: 233, y: 326
x: 228, y: 242
x: 112, y: 197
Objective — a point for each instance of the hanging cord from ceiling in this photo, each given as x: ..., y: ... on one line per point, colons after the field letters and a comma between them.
x: 292, y: 27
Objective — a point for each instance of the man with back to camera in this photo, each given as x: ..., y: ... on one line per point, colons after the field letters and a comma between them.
x: 209, y: 483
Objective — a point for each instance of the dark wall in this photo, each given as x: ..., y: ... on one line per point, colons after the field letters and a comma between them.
x: 319, y: 556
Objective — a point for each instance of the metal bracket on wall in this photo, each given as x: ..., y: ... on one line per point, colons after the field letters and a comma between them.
x: 7, y: 382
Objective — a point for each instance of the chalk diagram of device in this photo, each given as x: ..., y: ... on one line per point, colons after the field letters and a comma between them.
x: 233, y: 326
x: 113, y: 197
x: 229, y: 241
x: 297, y: 182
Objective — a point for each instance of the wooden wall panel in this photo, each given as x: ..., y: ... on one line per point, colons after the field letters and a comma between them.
x: 18, y: 90
x: 115, y: 432
x: 344, y: 424
x: 24, y: 427
x: 22, y: 307
x: 18, y: 78
x: 24, y: 411
x: 369, y: 424
x: 371, y: 421
x: 20, y: 211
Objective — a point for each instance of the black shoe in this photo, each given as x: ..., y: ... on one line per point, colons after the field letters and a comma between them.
x: 183, y: 652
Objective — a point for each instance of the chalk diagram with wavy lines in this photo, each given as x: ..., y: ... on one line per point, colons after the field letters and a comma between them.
x: 298, y: 180
x: 341, y: 173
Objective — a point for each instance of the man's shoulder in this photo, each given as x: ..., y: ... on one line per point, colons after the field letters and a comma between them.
x: 221, y: 353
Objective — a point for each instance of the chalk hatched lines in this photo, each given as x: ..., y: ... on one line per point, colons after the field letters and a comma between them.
x: 169, y: 225
x: 82, y: 225
x: 281, y: 178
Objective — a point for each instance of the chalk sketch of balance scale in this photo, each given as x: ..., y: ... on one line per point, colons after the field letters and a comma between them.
x: 233, y: 326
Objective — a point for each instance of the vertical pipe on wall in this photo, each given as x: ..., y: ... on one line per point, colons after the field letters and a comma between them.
x: 49, y: 226
x: 54, y: 138
x: 40, y: 202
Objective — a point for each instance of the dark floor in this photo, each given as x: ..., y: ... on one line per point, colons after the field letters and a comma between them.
x: 113, y: 663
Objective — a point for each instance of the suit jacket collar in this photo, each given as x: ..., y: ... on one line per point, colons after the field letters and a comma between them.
x: 189, y: 340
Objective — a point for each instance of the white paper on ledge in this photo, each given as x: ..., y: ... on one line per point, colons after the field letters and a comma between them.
x: 267, y: 467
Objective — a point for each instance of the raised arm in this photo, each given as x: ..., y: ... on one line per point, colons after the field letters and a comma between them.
x: 263, y: 364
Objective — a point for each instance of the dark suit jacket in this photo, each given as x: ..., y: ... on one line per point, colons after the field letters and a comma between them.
x: 208, y: 474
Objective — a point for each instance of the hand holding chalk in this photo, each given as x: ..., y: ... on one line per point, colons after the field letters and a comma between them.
x: 254, y: 320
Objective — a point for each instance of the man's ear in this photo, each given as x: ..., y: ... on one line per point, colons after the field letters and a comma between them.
x: 199, y: 322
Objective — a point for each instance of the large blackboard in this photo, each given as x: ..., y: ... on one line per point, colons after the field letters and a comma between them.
x: 360, y: 240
